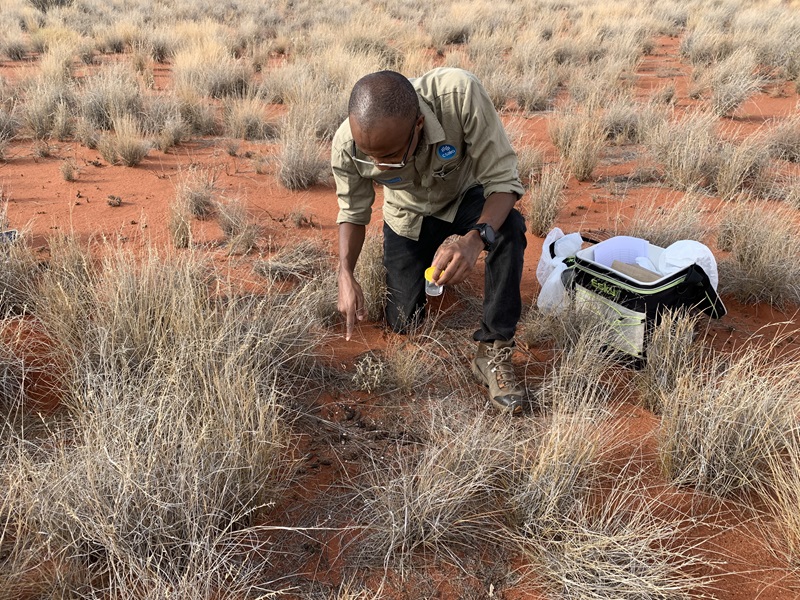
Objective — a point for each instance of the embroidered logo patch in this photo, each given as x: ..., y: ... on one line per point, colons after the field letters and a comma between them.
x: 447, y: 152
x: 605, y: 289
x: 390, y: 181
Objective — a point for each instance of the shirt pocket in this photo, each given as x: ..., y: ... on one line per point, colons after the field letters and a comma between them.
x: 445, y: 170
x: 397, y: 180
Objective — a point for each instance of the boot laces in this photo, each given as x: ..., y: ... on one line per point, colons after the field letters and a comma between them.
x: 500, y: 365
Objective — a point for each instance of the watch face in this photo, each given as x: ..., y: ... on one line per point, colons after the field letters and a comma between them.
x: 487, y: 233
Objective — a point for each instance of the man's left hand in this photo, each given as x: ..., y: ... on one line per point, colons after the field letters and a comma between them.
x: 454, y: 262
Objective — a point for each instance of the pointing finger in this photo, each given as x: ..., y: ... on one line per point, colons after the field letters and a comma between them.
x: 351, y: 317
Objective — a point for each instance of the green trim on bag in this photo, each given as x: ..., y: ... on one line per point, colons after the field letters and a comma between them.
x: 634, y: 290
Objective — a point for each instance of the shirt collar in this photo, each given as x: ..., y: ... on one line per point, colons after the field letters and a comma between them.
x: 434, y: 132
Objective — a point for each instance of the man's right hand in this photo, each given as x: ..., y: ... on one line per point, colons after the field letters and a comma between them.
x: 351, y: 302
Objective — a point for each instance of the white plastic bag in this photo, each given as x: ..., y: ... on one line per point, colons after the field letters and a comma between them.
x: 683, y: 253
x: 553, y: 296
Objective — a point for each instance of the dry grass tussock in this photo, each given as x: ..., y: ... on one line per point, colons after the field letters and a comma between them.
x: 9, y: 126
x: 161, y: 119
x: 579, y: 138
x: 545, y: 199
x: 336, y: 71
x: 783, y: 140
x: 47, y: 107
x: 12, y: 375
x: 55, y: 63
x: 600, y: 83
x: 169, y: 500
x: 726, y: 420
x: 621, y: 121
x: 530, y: 158
x: 782, y: 494
x: 665, y: 223
x: 241, y: 233
x: 420, y: 363
x: 788, y: 190
x: 112, y: 93
x: 687, y: 149
x: 444, y: 497
x: 732, y: 81
x: 563, y: 330
x: 300, y: 162
x: 68, y: 170
x: 317, y: 85
x: 197, y: 112
x: 208, y: 68
x: 706, y: 43
x: 560, y: 468
x: 14, y: 46
x: 743, y: 168
x: 530, y: 163
x: 196, y: 190
x: 125, y: 146
x: 245, y: 119
x: 762, y: 266
x: 584, y: 370
x: 672, y: 351
x: 310, y: 264
x: 180, y: 224
x: 631, y: 549
x: 303, y: 261
x: 535, y: 88
x: 350, y: 590
x: 20, y: 267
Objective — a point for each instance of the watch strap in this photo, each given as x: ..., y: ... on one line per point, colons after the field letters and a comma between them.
x: 481, y: 229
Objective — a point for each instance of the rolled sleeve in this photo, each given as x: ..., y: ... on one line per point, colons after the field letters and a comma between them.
x: 355, y: 193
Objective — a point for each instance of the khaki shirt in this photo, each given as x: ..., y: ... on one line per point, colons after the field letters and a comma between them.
x: 464, y: 144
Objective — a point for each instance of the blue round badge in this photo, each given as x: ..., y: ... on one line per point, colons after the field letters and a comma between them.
x: 447, y: 152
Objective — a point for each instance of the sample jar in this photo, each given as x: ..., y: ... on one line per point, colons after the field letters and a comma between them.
x: 431, y: 288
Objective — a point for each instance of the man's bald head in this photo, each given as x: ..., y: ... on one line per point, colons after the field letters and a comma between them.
x: 382, y: 95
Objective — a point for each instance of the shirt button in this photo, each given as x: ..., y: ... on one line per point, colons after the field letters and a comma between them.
x: 429, y: 189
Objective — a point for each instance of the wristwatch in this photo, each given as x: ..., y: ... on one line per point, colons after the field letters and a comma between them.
x: 487, y: 234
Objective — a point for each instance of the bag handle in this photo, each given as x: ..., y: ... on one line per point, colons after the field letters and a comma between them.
x: 586, y: 239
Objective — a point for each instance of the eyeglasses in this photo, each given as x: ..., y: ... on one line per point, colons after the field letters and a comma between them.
x: 399, y: 165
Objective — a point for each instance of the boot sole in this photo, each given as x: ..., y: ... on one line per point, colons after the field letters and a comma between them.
x: 514, y: 409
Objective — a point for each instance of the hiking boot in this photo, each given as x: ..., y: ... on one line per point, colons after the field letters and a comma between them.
x: 492, y: 366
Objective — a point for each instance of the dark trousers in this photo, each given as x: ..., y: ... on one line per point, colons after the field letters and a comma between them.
x: 406, y: 260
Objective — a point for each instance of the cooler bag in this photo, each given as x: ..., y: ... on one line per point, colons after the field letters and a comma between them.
x: 631, y: 298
